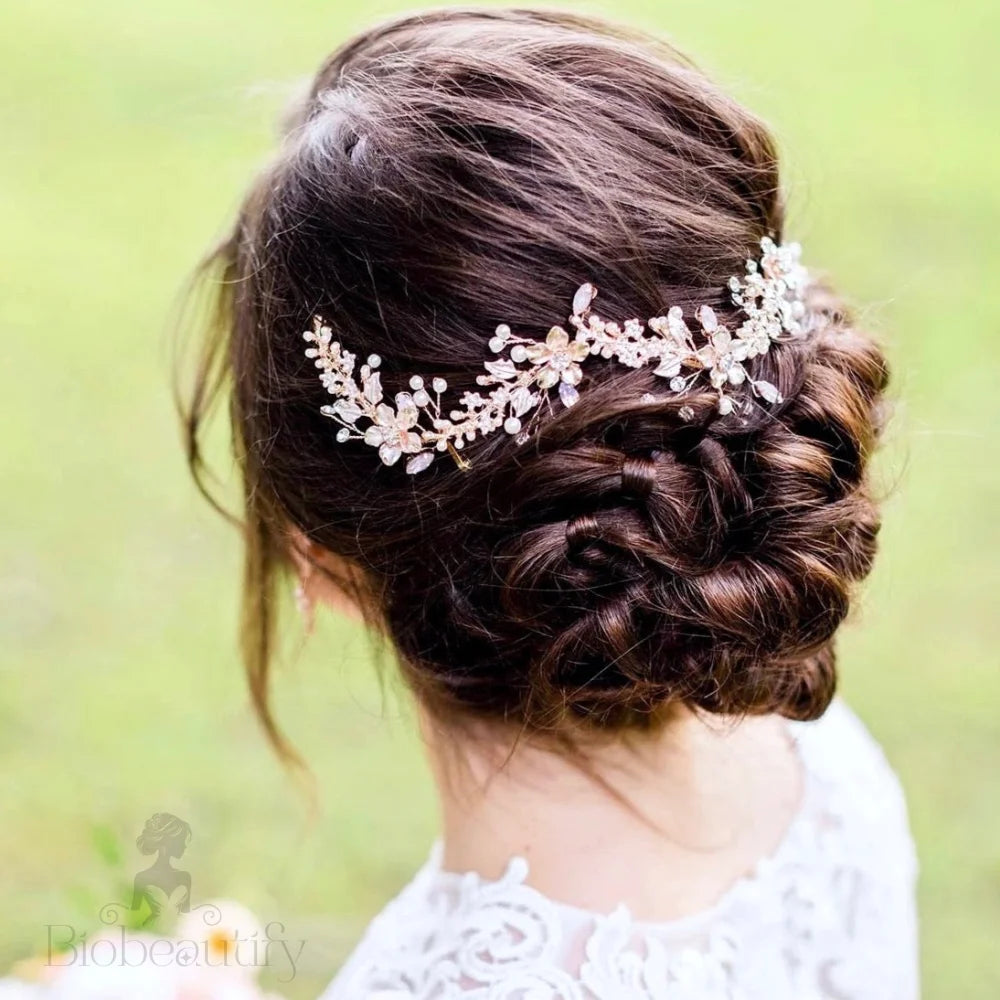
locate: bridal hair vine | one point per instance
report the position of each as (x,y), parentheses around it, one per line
(770,297)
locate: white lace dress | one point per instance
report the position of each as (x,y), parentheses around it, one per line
(829,915)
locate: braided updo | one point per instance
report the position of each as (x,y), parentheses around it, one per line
(452,171)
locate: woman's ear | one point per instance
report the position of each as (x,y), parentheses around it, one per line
(324,578)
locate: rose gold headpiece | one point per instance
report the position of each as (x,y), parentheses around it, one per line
(416,424)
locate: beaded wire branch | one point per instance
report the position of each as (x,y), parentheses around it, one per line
(770,296)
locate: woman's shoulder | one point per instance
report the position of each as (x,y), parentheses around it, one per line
(855,795)
(844,759)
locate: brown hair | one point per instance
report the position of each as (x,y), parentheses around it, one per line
(457,169)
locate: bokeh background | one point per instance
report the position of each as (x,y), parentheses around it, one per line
(128,132)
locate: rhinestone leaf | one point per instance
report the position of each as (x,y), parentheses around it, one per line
(347,409)
(669,366)
(521,400)
(502,369)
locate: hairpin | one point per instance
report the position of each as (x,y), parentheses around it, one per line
(416,423)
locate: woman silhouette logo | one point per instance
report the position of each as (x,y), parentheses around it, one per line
(161,886)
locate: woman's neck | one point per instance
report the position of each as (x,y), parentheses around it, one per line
(662,822)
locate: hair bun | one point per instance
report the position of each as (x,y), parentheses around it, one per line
(712,567)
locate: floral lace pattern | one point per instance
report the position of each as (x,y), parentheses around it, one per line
(828,916)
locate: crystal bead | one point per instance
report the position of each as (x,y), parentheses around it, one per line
(390,454)
(686,413)
(707,318)
(374,360)
(343,434)
(439,384)
(568,393)
(419,462)
(416,382)
(582,299)
(767,391)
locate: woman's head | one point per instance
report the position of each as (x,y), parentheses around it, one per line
(165,833)
(455,170)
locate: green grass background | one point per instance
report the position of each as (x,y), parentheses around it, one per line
(128,131)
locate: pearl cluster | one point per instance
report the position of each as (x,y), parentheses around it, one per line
(770,296)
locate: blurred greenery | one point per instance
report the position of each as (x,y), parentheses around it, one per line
(129,130)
